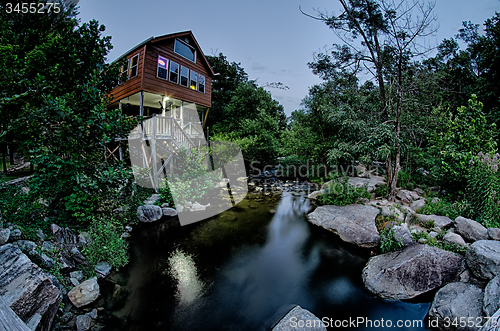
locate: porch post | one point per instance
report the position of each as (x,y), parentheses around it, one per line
(182,114)
(141,107)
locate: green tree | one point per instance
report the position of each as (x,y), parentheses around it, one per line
(389,34)
(55,81)
(462,137)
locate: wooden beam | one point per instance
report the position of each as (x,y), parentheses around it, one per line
(205,120)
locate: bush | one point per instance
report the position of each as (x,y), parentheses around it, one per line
(444,208)
(483,190)
(24,210)
(381,191)
(340,192)
(106,244)
(388,241)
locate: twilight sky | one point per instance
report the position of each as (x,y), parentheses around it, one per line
(272,39)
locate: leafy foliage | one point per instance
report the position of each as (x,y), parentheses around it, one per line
(388,241)
(461,138)
(106,244)
(483,190)
(444,208)
(340,192)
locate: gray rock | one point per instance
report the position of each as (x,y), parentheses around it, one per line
(491,301)
(49,247)
(74,281)
(63,235)
(435,200)
(78,275)
(26,289)
(41,259)
(433,234)
(84,239)
(83,322)
(470,230)
(165,205)
(314,195)
(494,233)
(408,273)
(170,212)
(85,293)
(454,238)
(102,269)
(128,228)
(483,258)
(439,221)
(25,246)
(493,323)
(149,213)
(405,196)
(457,301)
(379,203)
(4,236)
(152,199)
(417,204)
(392,211)
(371,183)
(299,316)
(402,233)
(353,223)
(16,234)
(40,234)
(419,191)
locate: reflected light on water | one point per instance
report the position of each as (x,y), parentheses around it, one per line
(183,269)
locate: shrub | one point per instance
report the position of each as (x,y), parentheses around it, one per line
(483,190)
(382,221)
(444,208)
(388,241)
(106,244)
(340,192)
(381,191)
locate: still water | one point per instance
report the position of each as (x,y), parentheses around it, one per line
(240,271)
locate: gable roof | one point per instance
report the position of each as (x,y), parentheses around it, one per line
(172,36)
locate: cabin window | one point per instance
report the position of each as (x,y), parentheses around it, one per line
(194,80)
(174,72)
(185,50)
(162,67)
(201,84)
(184,76)
(133,66)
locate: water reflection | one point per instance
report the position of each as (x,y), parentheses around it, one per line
(236,271)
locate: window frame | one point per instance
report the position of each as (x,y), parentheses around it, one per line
(204,83)
(167,62)
(191,80)
(170,72)
(187,45)
(130,66)
(187,77)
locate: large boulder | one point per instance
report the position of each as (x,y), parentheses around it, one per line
(456,301)
(371,183)
(491,302)
(85,293)
(353,223)
(439,221)
(493,323)
(408,273)
(494,233)
(149,213)
(69,254)
(470,230)
(26,289)
(483,258)
(299,318)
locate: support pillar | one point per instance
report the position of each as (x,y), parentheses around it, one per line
(141,107)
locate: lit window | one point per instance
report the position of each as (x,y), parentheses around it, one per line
(133,66)
(201,84)
(194,80)
(162,67)
(184,76)
(185,50)
(174,72)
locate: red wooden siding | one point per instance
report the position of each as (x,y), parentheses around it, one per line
(132,85)
(153,84)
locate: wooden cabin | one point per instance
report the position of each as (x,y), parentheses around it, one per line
(165,73)
(168,82)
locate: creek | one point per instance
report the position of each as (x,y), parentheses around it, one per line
(242,270)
